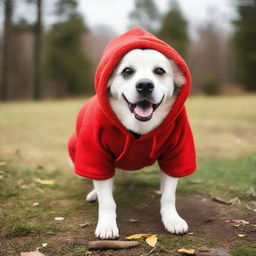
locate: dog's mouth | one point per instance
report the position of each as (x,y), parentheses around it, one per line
(143,110)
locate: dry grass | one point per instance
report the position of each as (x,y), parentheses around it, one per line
(36,133)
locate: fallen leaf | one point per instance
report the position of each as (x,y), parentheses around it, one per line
(191,233)
(44,244)
(2,163)
(250,208)
(133,220)
(33,253)
(236,200)
(48,182)
(44,182)
(251,192)
(203,249)
(2,175)
(187,251)
(25,186)
(241,235)
(35,204)
(136,236)
(84,224)
(243,222)
(151,240)
(59,218)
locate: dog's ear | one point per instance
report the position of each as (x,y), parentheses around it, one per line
(178,76)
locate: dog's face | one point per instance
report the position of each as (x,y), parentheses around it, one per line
(141,89)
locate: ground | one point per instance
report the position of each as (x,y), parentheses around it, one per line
(33,154)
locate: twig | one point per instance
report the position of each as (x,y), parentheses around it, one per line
(222,201)
(109,244)
(152,250)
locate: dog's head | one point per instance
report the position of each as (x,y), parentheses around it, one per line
(142,89)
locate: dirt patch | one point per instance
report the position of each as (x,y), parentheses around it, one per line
(66,203)
(203,217)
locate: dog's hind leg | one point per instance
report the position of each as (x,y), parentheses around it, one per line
(91,196)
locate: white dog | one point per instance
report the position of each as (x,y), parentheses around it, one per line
(141,91)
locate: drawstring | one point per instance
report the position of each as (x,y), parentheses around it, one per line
(153,149)
(127,144)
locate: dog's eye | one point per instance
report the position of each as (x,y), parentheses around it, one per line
(159,71)
(128,71)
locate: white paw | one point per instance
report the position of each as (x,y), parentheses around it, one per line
(70,163)
(107,228)
(91,196)
(174,223)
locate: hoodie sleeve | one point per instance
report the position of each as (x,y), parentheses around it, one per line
(179,158)
(89,156)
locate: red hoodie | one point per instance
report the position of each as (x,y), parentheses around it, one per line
(101,143)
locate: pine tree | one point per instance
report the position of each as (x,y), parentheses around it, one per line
(174,29)
(66,63)
(145,15)
(245,42)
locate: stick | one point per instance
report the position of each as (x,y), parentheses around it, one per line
(109,244)
(222,201)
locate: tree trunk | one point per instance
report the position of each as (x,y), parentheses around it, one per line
(6,49)
(37,52)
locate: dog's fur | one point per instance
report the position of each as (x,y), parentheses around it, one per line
(166,88)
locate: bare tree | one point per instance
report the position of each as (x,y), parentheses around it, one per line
(8,10)
(37,51)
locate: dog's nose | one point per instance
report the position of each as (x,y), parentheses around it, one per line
(145,86)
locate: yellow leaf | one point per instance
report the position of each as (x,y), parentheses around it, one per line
(136,236)
(187,251)
(47,182)
(59,218)
(241,235)
(2,163)
(151,240)
(33,253)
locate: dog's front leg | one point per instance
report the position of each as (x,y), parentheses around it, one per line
(106,227)
(170,218)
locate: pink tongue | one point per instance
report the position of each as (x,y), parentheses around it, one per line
(143,112)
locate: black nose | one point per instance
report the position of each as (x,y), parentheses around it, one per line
(145,87)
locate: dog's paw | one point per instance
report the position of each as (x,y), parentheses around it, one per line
(174,223)
(91,196)
(107,228)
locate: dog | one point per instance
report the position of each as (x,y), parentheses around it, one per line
(145,78)
(141,94)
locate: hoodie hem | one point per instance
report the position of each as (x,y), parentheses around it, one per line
(93,176)
(181,174)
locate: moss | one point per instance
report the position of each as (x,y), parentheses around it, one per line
(243,251)
(78,250)
(22,229)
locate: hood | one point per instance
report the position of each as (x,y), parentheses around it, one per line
(115,50)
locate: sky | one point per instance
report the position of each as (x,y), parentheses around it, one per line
(114,13)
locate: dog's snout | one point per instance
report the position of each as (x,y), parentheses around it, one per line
(145,86)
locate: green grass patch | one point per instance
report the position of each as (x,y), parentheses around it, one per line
(242,251)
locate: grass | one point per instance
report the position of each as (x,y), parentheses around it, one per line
(33,139)
(244,251)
